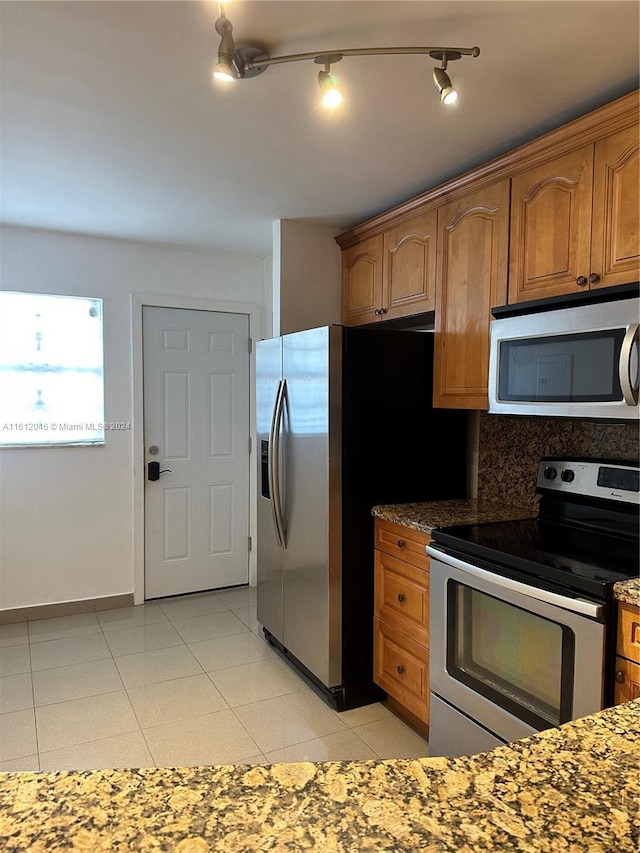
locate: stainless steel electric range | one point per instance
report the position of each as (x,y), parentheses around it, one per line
(522,614)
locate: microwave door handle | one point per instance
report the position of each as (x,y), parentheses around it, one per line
(272,471)
(575,605)
(629,390)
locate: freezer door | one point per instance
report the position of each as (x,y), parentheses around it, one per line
(269,551)
(311,500)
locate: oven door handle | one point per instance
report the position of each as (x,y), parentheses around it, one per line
(575,605)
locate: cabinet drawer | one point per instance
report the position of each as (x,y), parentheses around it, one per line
(628,642)
(402,542)
(402,596)
(401,667)
(629,689)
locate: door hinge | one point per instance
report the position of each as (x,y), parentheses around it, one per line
(250,345)
(250,543)
(250,446)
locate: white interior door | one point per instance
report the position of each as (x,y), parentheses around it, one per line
(196,426)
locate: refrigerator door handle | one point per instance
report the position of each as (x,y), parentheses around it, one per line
(272,469)
(276,494)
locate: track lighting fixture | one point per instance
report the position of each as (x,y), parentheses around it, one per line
(239,62)
(331,95)
(224,69)
(448,95)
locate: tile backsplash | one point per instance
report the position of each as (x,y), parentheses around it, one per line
(510,449)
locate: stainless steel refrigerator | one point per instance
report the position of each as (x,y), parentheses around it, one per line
(344,421)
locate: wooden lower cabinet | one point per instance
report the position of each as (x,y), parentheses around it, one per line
(627,674)
(627,681)
(401,667)
(401,625)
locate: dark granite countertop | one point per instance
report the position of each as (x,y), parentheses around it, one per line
(573,789)
(428,515)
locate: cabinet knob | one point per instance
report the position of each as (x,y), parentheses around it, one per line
(581,281)
(383,310)
(401,543)
(400,669)
(400,597)
(620,676)
(594,278)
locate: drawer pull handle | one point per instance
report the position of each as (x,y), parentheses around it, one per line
(400,669)
(400,597)
(620,676)
(401,543)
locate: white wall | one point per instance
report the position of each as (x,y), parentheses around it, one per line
(306,276)
(66,514)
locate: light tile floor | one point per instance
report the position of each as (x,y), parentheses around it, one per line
(177,682)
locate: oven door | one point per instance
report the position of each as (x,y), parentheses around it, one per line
(512,657)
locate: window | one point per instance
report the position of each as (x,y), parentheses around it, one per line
(51,370)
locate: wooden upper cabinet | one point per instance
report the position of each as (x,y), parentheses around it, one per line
(575,220)
(550,241)
(615,250)
(409,268)
(391,274)
(471,278)
(362,282)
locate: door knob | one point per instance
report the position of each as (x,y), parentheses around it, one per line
(400,669)
(594,278)
(581,281)
(400,597)
(620,676)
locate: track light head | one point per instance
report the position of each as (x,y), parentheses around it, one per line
(331,95)
(448,94)
(224,69)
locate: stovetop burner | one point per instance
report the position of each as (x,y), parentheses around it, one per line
(586,538)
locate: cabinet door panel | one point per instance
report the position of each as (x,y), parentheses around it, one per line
(628,687)
(402,542)
(401,667)
(402,596)
(628,638)
(615,255)
(550,240)
(362,282)
(471,278)
(410,267)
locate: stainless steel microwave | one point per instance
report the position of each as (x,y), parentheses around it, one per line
(575,362)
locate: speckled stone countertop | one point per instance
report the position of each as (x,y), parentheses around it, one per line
(431,514)
(628,591)
(572,789)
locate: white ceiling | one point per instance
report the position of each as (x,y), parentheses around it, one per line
(112,125)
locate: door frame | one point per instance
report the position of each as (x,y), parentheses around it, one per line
(138,301)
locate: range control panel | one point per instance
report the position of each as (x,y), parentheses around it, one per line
(591,478)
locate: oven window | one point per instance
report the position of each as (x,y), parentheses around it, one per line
(577,368)
(517,659)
